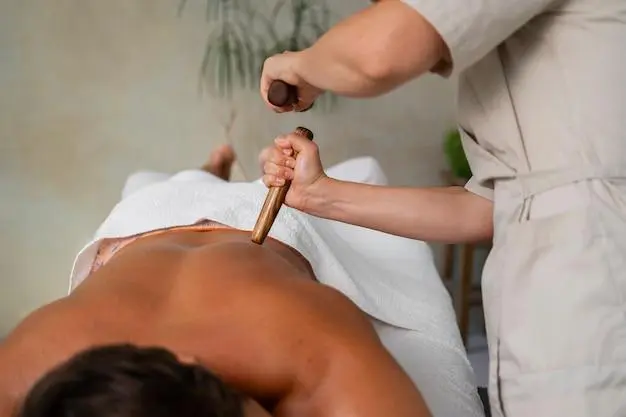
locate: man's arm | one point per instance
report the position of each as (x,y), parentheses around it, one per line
(441,214)
(393,41)
(372,52)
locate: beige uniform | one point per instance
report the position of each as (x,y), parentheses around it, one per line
(542,112)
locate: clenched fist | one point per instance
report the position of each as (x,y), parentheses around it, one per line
(296,159)
(284,67)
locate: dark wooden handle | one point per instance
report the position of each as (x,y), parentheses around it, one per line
(282,94)
(273,202)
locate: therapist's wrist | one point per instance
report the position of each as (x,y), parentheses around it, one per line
(318,197)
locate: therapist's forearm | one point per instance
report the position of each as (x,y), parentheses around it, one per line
(443,214)
(372,52)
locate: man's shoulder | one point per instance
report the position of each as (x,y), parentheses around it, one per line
(46,333)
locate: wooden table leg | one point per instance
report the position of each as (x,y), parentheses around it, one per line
(465,290)
(448,262)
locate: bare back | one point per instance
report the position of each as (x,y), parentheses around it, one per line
(252,314)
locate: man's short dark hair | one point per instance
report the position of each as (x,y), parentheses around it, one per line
(128,381)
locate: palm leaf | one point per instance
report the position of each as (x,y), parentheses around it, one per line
(277,8)
(240,55)
(181,6)
(243,37)
(232,59)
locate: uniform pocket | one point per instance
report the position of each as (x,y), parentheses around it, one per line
(560,307)
(554,229)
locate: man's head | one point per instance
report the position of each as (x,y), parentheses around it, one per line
(127,381)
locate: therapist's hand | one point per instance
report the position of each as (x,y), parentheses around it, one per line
(284,67)
(296,159)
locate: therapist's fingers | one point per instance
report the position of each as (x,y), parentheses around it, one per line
(279,67)
(291,153)
(282,141)
(296,143)
(306,159)
(276,155)
(281,159)
(281,155)
(273,181)
(278,171)
(284,67)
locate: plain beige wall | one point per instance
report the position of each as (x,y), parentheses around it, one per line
(92,90)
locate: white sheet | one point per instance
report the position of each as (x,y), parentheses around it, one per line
(392,279)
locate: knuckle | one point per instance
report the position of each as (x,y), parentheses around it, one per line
(278,171)
(278,159)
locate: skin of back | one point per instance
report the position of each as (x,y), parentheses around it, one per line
(252,314)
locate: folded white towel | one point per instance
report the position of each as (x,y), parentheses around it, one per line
(392,279)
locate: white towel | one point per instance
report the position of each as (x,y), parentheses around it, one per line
(390,278)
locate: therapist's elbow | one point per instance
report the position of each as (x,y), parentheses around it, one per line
(476,218)
(483,231)
(377,71)
(400,46)
(372,76)
(385,74)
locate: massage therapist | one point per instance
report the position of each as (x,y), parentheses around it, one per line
(542,113)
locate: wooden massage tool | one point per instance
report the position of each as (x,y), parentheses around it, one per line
(280,94)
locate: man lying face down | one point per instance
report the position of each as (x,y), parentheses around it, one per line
(169,316)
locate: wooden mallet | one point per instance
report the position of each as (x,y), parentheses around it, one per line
(280,94)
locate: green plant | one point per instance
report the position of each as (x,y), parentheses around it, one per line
(242,36)
(453,149)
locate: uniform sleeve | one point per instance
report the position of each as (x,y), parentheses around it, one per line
(472,28)
(473,186)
